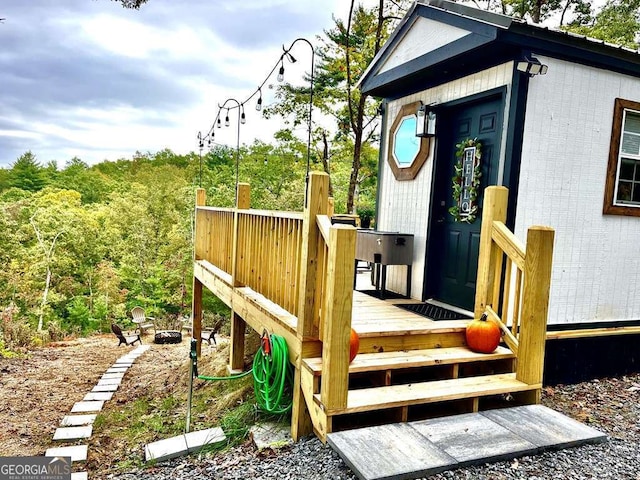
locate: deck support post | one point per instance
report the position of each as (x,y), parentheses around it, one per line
(535,306)
(338,304)
(494,209)
(317,204)
(196,302)
(238,325)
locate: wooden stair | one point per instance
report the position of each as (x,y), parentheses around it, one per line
(412,359)
(404,384)
(379,398)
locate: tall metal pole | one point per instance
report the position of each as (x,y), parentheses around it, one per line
(240,108)
(309,123)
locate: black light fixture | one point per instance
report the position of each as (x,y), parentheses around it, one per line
(259,102)
(425,122)
(219,123)
(226,119)
(532,66)
(280,76)
(243,118)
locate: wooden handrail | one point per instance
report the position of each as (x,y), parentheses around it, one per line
(324,225)
(508,243)
(517,303)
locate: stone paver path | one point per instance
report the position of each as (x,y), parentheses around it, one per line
(77,427)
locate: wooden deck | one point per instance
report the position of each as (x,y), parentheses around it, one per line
(291,274)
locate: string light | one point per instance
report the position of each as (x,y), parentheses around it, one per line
(259,102)
(258,92)
(280,76)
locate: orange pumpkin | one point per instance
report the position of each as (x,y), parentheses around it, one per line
(483,336)
(354,345)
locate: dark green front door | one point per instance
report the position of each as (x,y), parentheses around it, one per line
(452,261)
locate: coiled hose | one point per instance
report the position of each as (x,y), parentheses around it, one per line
(272,375)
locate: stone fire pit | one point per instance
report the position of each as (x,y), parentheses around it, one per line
(168,336)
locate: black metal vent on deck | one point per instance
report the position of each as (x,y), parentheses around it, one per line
(434,312)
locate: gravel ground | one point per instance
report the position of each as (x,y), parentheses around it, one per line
(610,405)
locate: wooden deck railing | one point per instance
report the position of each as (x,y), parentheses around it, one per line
(513,284)
(298,262)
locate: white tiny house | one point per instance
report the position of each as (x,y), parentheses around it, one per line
(553,116)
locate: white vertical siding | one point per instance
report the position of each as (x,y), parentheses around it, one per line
(404,206)
(596,263)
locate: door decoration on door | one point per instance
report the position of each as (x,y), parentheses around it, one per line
(466,181)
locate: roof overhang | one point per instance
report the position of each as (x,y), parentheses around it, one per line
(440,40)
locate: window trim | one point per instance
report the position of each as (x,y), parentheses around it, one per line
(609,206)
(410,172)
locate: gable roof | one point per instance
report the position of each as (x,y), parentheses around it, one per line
(438,39)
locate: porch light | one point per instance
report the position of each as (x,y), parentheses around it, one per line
(425,122)
(532,67)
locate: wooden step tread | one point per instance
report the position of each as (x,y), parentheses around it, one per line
(379,398)
(369,362)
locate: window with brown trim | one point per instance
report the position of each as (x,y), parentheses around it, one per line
(406,160)
(622,189)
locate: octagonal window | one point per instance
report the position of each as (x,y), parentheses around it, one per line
(405,143)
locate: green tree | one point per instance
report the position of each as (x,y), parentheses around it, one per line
(618,22)
(26,173)
(345,52)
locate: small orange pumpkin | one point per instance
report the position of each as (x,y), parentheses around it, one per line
(483,336)
(354,345)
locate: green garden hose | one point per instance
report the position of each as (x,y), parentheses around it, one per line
(272,375)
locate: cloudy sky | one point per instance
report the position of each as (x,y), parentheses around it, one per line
(91,79)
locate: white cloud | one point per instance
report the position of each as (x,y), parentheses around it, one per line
(93,80)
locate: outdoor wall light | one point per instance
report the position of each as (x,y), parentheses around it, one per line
(532,67)
(425,122)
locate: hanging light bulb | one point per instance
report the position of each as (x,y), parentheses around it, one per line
(280,76)
(243,119)
(226,119)
(219,123)
(259,103)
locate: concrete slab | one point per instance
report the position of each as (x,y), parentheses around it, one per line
(198,439)
(90,406)
(123,363)
(77,420)
(98,396)
(473,438)
(545,427)
(165,449)
(389,452)
(79,476)
(78,453)
(116,370)
(72,433)
(110,381)
(105,388)
(271,435)
(183,444)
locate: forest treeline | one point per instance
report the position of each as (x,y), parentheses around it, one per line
(81,245)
